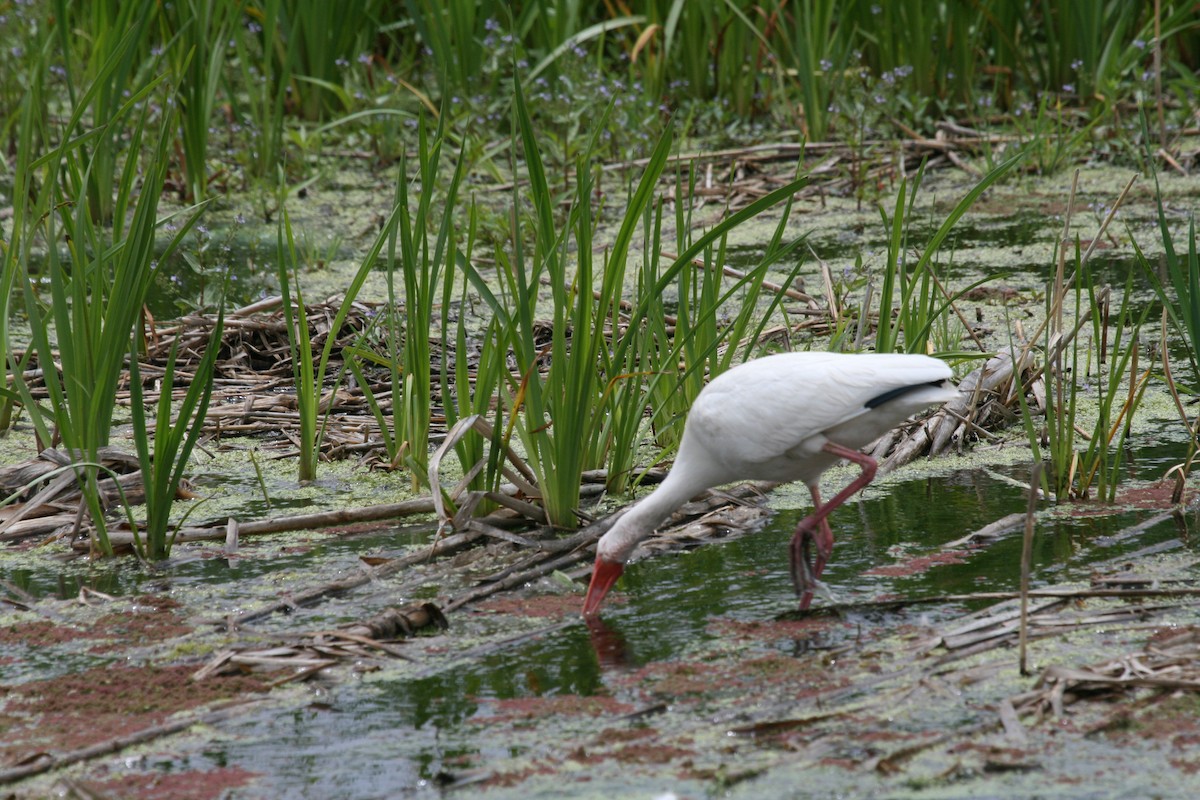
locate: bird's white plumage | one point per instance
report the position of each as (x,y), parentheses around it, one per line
(768,419)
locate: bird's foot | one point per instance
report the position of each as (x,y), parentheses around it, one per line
(828,595)
(806,570)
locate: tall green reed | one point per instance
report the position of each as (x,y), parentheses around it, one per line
(910,298)
(300,347)
(936,44)
(1082,42)
(452,30)
(117,65)
(424,249)
(1179,289)
(197,32)
(1100,462)
(555,403)
(163,463)
(97,286)
(1068,371)
(327,37)
(265,79)
(309,369)
(817,49)
(422,266)
(579,399)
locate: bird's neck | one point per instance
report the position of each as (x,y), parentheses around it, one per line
(648,513)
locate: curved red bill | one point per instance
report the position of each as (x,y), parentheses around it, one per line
(604,575)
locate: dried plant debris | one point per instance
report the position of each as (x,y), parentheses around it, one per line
(361,643)
(1170,662)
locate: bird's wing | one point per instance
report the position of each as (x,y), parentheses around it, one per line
(779,404)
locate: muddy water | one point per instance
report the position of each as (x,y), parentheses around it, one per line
(408,730)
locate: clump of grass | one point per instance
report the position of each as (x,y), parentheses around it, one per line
(556,405)
(911,299)
(580,398)
(309,374)
(198,31)
(1101,460)
(265,80)
(116,69)
(1049,136)
(163,465)
(97,278)
(1066,479)
(424,263)
(1073,471)
(1182,268)
(820,55)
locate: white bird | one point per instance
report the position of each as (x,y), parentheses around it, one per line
(785,417)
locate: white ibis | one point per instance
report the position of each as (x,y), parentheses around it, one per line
(785,417)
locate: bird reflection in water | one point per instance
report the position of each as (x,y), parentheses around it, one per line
(609,645)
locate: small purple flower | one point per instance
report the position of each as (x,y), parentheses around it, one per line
(1068,88)
(364,58)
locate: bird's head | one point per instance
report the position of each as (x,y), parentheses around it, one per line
(614,549)
(604,575)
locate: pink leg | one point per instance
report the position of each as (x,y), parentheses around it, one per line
(816,525)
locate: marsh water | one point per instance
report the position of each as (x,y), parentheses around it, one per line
(524,699)
(415,729)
